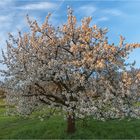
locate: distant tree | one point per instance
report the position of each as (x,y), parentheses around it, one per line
(72,67)
(2,91)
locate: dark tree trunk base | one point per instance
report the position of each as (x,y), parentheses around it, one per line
(70,124)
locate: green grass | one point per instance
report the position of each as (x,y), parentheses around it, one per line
(55,128)
(33,128)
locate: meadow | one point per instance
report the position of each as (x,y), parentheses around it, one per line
(12,127)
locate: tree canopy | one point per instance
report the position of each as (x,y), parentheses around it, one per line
(72,67)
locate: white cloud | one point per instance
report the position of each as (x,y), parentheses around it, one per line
(6,21)
(102,19)
(38,6)
(87,10)
(114,12)
(3,18)
(6,5)
(5,2)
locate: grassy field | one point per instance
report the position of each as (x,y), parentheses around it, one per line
(53,128)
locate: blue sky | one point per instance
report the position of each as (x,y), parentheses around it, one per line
(121,17)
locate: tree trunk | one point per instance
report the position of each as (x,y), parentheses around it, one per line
(71,124)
